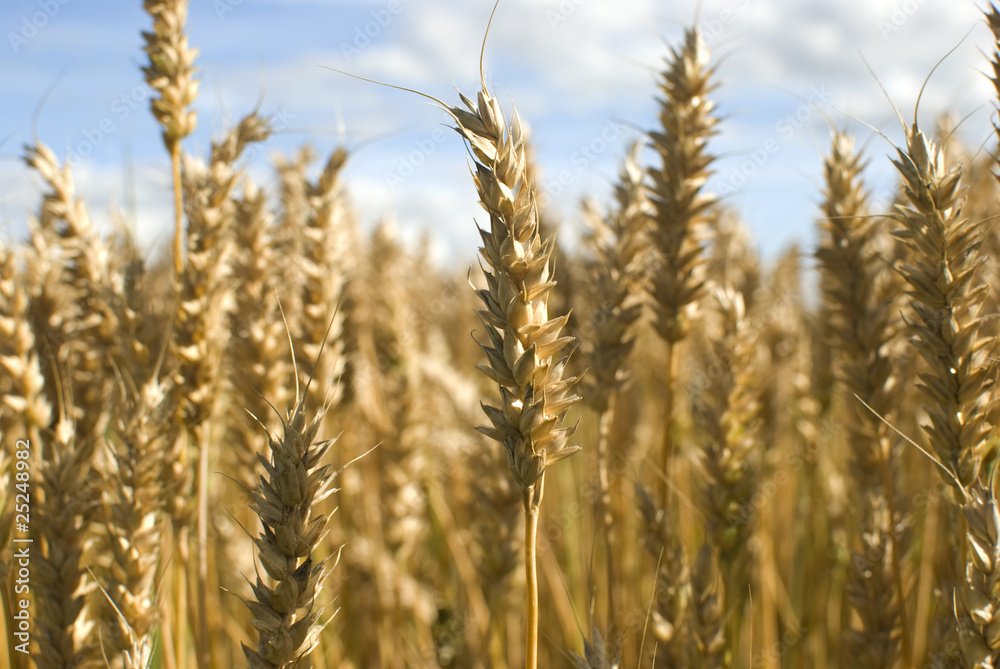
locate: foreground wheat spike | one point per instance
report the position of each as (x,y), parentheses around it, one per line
(527,356)
(171,74)
(285,500)
(947,294)
(859,319)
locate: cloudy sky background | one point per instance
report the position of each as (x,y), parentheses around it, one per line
(581,73)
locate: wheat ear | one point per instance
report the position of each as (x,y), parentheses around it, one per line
(60,586)
(255,357)
(285,500)
(26,407)
(858,317)
(171,74)
(679,207)
(325,260)
(727,413)
(619,272)
(527,356)
(947,294)
(87,339)
(200,335)
(676,282)
(132,514)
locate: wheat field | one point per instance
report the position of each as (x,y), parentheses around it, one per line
(278,446)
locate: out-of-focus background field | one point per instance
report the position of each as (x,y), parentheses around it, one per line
(262,451)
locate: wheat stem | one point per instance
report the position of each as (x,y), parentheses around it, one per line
(175,164)
(668,446)
(604,501)
(532,500)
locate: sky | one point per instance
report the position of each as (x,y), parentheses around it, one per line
(581,73)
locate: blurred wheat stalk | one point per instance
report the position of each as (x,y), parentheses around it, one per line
(780,522)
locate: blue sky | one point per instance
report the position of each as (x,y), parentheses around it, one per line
(581,73)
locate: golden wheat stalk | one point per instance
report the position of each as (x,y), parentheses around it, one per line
(526,354)
(325,244)
(200,335)
(618,275)
(133,518)
(171,74)
(26,407)
(947,294)
(859,320)
(285,499)
(679,208)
